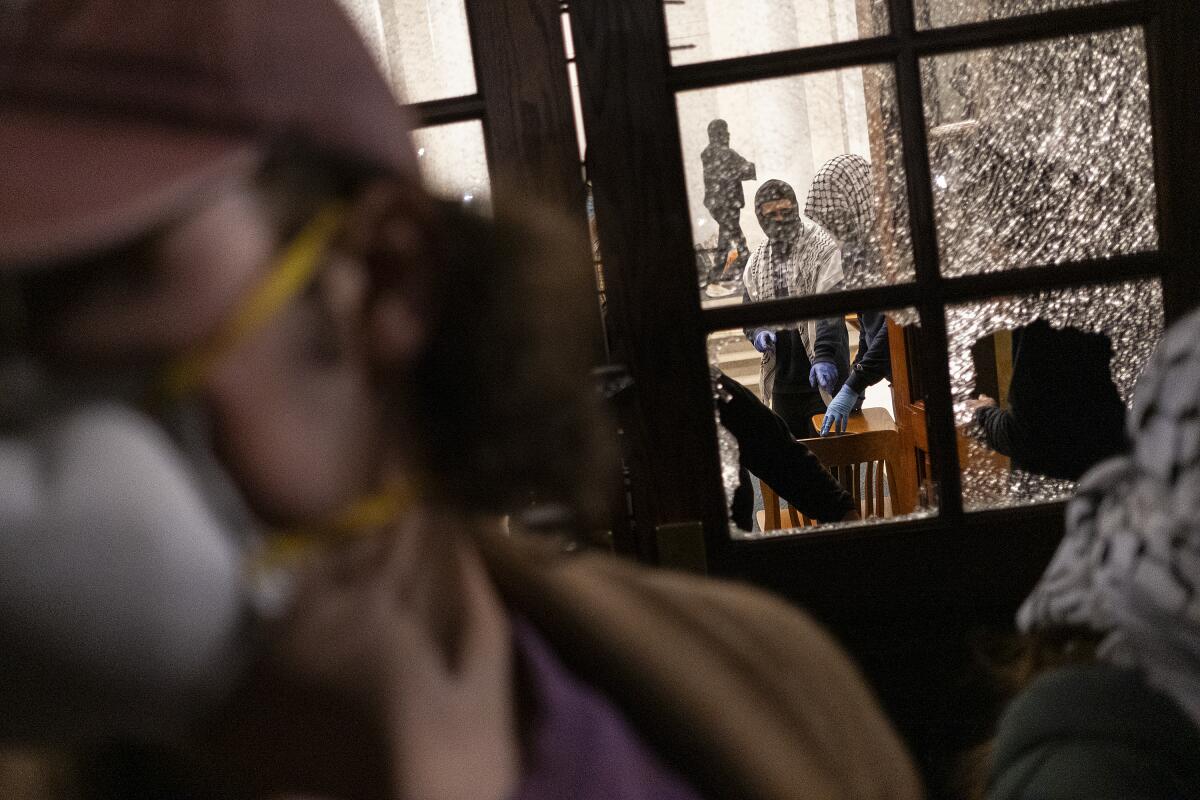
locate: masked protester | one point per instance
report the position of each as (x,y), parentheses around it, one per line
(724,171)
(798,363)
(264,404)
(840,201)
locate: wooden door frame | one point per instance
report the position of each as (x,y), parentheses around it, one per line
(628,87)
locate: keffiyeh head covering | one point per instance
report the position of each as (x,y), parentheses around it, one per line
(840,201)
(788,267)
(1129,565)
(840,198)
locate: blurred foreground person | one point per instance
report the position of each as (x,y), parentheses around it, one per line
(1114,625)
(264,402)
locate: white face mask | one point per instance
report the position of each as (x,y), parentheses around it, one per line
(122,602)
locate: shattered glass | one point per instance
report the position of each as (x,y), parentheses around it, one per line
(707,30)
(1129,314)
(422,46)
(1041,152)
(834,139)
(942,13)
(453,163)
(726,442)
(732,355)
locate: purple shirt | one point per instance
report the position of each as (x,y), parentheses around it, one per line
(581,747)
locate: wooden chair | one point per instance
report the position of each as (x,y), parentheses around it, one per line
(864,460)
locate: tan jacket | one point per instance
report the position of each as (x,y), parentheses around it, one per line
(742,693)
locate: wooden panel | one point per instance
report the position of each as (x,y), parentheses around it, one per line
(522,75)
(1004,365)
(1175,100)
(529,124)
(654,320)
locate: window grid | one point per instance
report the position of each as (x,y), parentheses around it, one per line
(931,292)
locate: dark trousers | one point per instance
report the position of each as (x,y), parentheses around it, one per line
(797,410)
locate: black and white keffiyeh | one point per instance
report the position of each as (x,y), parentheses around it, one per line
(795,269)
(840,201)
(840,197)
(1129,565)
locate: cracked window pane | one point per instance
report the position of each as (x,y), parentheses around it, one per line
(708,30)
(796,185)
(1041,383)
(422,46)
(453,163)
(1041,152)
(942,13)
(802,369)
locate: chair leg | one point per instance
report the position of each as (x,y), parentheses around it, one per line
(869,490)
(770,506)
(880,472)
(794,519)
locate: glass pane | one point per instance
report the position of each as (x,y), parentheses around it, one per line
(1041,152)
(772,450)
(422,45)
(1041,383)
(941,13)
(758,155)
(709,30)
(453,162)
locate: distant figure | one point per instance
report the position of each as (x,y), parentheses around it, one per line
(724,171)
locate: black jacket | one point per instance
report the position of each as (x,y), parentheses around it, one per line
(873,361)
(792,363)
(768,450)
(1094,732)
(1064,412)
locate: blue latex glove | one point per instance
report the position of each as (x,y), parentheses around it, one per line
(824,375)
(764,341)
(839,410)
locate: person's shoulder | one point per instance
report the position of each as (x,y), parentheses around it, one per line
(818,237)
(1094,730)
(731,669)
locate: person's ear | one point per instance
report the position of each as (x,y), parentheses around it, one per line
(392,231)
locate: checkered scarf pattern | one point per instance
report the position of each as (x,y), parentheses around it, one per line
(840,200)
(842,189)
(796,265)
(1129,565)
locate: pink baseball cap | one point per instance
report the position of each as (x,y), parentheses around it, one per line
(116,113)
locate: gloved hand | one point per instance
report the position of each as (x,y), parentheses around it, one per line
(824,375)
(764,340)
(839,410)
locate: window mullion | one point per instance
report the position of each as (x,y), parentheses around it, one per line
(935,361)
(938,41)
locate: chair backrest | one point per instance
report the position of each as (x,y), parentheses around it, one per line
(862,462)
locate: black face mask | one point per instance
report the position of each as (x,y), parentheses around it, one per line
(783,229)
(778,227)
